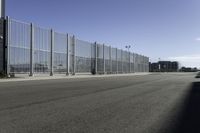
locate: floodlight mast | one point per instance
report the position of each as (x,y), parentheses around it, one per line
(2,10)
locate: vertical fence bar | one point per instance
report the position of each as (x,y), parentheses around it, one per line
(110,49)
(104,65)
(8,46)
(96,57)
(148,65)
(116,61)
(122,60)
(52,52)
(74,57)
(129,62)
(67,59)
(134,62)
(31,50)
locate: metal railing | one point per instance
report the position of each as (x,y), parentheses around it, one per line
(32,49)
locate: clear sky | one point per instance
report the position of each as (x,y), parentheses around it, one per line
(165,29)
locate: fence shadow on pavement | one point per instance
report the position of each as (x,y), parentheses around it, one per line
(188,119)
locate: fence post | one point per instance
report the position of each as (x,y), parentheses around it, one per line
(52,53)
(148,66)
(96,49)
(133,63)
(67,58)
(110,59)
(104,67)
(31,50)
(122,60)
(129,62)
(7,52)
(74,57)
(117,60)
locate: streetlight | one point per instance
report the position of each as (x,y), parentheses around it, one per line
(128,47)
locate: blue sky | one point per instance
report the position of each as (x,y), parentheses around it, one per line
(165,29)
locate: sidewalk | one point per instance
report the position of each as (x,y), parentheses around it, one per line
(47,77)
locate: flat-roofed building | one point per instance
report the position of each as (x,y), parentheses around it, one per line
(164,66)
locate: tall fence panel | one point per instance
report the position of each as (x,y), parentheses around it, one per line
(100,58)
(126,62)
(114,60)
(132,63)
(83,56)
(136,63)
(19,47)
(107,59)
(60,53)
(42,48)
(119,61)
(32,49)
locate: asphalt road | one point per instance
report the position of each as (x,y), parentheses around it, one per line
(156,103)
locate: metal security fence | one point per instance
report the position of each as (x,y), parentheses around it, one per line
(41,49)
(18,47)
(83,56)
(35,50)
(60,53)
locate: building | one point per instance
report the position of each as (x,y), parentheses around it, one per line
(164,66)
(188,69)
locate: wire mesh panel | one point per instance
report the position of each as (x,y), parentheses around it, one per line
(126,62)
(19,54)
(132,62)
(107,59)
(146,61)
(83,56)
(42,39)
(136,62)
(143,64)
(140,63)
(100,60)
(60,53)
(145,70)
(119,59)
(147,64)
(114,60)
(139,68)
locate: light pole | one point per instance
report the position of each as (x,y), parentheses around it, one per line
(128,47)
